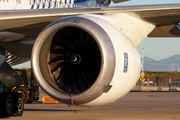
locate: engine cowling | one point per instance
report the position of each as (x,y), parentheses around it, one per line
(87,57)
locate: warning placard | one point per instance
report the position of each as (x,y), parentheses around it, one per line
(142,79)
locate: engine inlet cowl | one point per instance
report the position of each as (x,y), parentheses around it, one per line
(74,56)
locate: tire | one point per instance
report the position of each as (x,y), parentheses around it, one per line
(6,105)
(18,104)
(22,90)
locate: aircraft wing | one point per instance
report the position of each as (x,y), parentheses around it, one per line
(157,14)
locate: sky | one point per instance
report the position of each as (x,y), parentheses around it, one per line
(157,48)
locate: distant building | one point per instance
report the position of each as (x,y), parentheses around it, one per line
(177,68)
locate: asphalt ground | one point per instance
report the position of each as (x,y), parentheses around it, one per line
(133,106)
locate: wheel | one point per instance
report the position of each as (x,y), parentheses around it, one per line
(18,104)
(6,105)
(22,90)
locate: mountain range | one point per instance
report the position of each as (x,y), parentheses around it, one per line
(169,64)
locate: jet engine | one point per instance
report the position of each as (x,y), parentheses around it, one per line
(86,57)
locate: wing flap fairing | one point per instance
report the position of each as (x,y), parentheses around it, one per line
(166,31)
(118,1)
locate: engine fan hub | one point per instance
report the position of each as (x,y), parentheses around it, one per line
(76,59)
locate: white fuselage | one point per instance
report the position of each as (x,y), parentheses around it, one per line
(36,4)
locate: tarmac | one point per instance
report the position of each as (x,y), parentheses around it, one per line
(133,106)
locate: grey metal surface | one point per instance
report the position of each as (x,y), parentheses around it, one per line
(40,63)
(18,48)
(165,31)
(14,60)
(2,55)
(9,77)
(118,1)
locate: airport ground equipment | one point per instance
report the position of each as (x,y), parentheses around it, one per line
(10,103)
(48,100)
(174,83)
(13,97)
(29,89)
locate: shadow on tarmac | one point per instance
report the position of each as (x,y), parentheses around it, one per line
(4,117)
(48,110)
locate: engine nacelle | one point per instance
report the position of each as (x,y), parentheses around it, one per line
(87,57)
